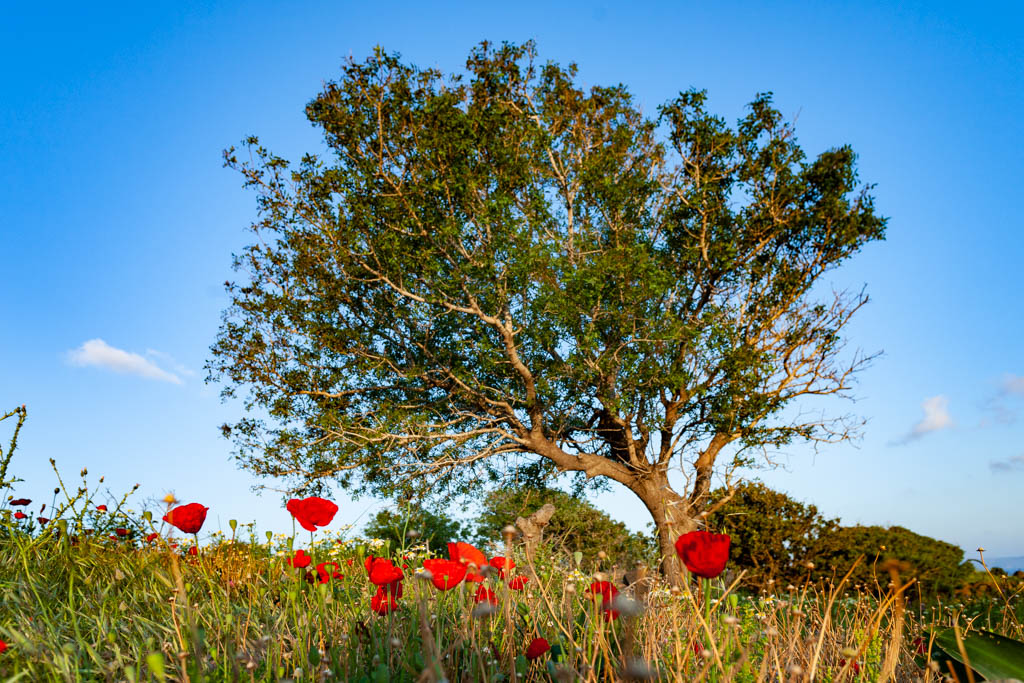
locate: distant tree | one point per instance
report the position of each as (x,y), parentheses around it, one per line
(577,525)
(773,535)
(938,566)
(435,528)
(508,271)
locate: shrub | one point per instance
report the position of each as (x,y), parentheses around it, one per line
(577,525)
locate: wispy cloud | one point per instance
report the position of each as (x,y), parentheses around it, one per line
(1002,408)
(169,361)
(1013,384)
(98,353)
(1010,464)
(936,417)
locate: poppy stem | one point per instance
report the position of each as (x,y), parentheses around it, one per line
(706,585)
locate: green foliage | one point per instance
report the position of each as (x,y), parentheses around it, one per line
(434,528)
(991,656)
(773,535)
(938,566)
(577,525)
(502,270)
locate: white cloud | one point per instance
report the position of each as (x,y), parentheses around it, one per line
(936,417)
(100,354)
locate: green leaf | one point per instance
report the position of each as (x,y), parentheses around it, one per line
(991,655)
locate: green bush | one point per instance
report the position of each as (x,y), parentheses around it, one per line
(774,538)
(436,529)
(577,525)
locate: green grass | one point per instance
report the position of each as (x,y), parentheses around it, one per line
(124,610)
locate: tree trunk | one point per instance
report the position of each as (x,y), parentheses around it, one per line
(670,512)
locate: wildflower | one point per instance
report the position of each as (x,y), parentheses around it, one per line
(383,603)
(101,508)
(703,553)
(607,591)
(447,574)
(485,594)
(312,512)
(152,537)
(189,518)
(3,647)
(466,554)
(20,515)
(325,575)
(170,499)
(122,532)
(499,564)
(518,583)
(21,501)
(43,520)
(536,648)
(381,570)
(193,551)
(854,666)
(301,560)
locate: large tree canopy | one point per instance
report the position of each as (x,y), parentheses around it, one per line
(505,270)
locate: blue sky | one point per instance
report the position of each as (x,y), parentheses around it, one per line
(118,221)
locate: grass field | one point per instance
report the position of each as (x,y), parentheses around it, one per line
(118,608)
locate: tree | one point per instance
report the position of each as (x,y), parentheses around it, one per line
(577,525)
(938,566)
(506,272)
(773,535)
(435,528)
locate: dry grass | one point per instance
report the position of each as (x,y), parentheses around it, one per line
(113,611)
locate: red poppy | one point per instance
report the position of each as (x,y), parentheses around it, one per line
(382,570)
(499,564)
(152,537)
(312,512)
(485,594)
(466,554)
(3,647)
(854,666)
(325,574)
(703,553)
(518,583)
(43,520)
(536,648)
(605,589)
(21,501)
(349,562)
(121,532)
(189,518)
(919,646)
(383,603)
(101,508)
(193,551)
(20,515)
(301,559)
(445,574)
